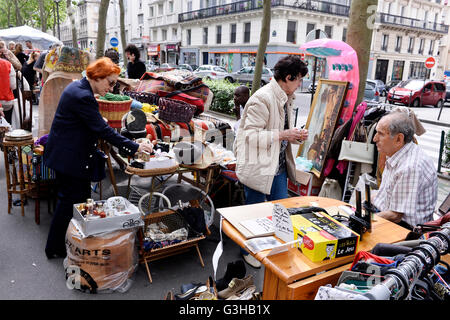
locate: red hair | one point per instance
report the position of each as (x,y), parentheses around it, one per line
(102,68)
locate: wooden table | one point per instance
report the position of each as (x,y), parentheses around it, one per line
(290,275)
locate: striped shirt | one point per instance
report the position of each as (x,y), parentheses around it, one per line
(409,185)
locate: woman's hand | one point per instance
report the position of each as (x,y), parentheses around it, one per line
(294,135)
(147,147)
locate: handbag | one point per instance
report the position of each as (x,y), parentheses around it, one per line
(355,151)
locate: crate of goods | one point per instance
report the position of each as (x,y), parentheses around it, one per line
(323,238)
(305,184)
(116,213)
(113,107)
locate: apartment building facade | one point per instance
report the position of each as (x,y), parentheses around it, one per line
(406,33)
(86,19)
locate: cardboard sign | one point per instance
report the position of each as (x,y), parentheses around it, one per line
(282,223)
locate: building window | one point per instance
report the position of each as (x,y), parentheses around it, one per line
(384,42)
(233,33)
(329,31)
(397,70)
(140,18)
(247,26)
(205,35)
(218,34)
(164,34)
(411,45)
(170,6)
(398,44)
(344,35)
(421,46)
(188,37)
(152,11)
(174,33)
(160,9)
(291,32)
(310,27)
(430,52)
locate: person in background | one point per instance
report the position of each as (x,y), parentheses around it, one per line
(71,150)
(263,145)
(114,56)
(241,96)
(29,47)
(11,46)
(135,68)
(28,71)
(18,51)
(7,54)
(409,184)
(7,85)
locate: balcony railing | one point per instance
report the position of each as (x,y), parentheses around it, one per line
(412,23)
(249,5)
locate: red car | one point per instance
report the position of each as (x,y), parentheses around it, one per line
(416,93)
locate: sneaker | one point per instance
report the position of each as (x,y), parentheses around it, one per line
(246,294)
(234,270)
(236,285)
(252,261)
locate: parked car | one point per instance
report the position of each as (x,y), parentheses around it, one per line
(417,92)
(209,71)
(371,93)
(391,84)
(447,90)
(381,87)
(185,67)
(245,75)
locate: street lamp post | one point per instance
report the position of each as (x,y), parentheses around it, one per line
(57,14)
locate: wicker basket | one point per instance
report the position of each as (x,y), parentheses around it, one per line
(143,97)
(175,110)
(114,111)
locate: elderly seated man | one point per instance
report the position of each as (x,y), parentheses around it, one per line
(408,190)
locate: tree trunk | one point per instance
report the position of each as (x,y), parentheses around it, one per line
(359,37)
(18,16)
(42,16)
(71,13)
(122,28)
(101,30)
(263,40)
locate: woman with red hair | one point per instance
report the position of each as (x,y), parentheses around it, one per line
(71,149)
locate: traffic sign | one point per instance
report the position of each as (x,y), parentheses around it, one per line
(430,62)
(114,41)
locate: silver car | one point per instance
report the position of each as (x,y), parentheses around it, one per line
(213,72)
(245,75)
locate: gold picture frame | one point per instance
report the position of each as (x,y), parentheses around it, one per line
(323,115)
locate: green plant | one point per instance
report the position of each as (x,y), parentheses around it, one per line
(223,92)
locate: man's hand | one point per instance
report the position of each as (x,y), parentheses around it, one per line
(391,215)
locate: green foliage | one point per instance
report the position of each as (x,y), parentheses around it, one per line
(29,13)
(223,91)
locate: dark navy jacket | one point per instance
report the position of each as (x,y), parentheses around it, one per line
(76,128)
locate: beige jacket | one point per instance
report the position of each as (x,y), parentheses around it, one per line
(257,146)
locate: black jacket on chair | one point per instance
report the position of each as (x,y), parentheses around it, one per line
(71,147)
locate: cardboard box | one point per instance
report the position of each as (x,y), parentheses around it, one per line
(125,221)
(306,184)
(323,237)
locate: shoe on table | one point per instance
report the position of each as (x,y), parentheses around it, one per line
(236,285)
(251,261)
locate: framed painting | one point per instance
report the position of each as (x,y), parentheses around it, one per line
(323,115)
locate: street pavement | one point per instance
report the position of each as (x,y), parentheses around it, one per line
(26,273)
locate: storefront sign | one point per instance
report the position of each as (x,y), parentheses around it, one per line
(153,50)
(171,47)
